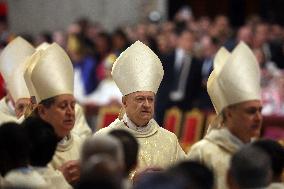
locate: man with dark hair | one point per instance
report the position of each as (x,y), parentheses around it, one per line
(14,147)
(55,104)
(40,134)
(196,175)
(43,145)
(181,84)
(249,168)
(209,46)
(276,153)
(14,159)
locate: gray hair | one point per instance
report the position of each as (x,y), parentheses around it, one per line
(102,144)
(250,168)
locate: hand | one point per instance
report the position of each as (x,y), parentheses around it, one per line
(71,171)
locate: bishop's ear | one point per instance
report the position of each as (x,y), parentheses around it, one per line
(41,110)
(124,98)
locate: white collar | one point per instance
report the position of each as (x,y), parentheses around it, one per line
(180,52)
(233,138)
(224,138)
(64,140)
(133,126)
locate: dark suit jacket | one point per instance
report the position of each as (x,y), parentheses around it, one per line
(192,88)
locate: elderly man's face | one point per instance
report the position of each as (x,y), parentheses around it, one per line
(245,119)
(20,106)
(139,107)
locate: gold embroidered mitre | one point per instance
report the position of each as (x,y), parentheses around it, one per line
(137,68)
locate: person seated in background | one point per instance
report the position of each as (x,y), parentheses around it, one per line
(196,175)
(85,65)
(14,159)
(276,154)
(55,104)
(138,73)
(249,168)
(234,89)
(12,58)
(43,142)
(107,92)
(130,151)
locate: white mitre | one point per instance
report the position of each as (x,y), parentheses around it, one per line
(29,66)
(235,78)
(13,55)
(50,73)
(16,83)
(42,46)
(137,68)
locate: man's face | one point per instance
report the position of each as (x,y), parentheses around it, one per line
(20,106)
(61,114)
(186,41)
(139,107)
(245,119)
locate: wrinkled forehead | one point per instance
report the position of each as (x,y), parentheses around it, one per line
(248,104)
(141,93)
(23,100)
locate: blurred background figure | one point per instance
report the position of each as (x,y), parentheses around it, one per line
(43,142)
(100,171)
(182,82)
(209,46)
(130,150)
(102,163)
(196,175)
(276,154)
(84,67)
(159,180)
(250,167)
(105,144)
(106,93)
(119,41)
(14,161)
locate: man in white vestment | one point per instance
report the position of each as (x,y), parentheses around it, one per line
(50,79)
(138,73)
(13,105)
(234,89)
